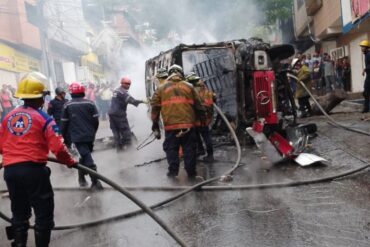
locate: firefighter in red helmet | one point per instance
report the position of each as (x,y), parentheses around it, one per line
(118,116)
(80,121)
(26,136)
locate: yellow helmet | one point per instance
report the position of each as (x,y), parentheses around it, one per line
(31,86)
(365,43)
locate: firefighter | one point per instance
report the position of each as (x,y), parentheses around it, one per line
(80,120)
(118,116)
(179,105)
(26,136)
(365,48)
(55,108)
(161,75)
(207,98)
(304,75)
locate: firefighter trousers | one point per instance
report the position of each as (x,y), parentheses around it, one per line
(171,146)
(205,134)
(29,187)
(120,129)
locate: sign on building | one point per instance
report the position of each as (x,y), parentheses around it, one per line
(15,61)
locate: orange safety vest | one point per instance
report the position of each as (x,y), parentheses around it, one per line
(27,134)
(177,102)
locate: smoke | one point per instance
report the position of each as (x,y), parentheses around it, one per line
(175,22)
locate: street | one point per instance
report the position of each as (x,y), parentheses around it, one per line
(324,214)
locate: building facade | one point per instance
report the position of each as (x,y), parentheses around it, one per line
(20,48)
(335,27)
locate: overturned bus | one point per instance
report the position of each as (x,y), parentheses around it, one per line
(240,72)
(252,90)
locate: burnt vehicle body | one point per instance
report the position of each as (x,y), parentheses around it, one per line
(228,69)
(252,90)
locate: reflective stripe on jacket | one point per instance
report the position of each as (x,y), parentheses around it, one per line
(27,134)
(177,102)
(80,120)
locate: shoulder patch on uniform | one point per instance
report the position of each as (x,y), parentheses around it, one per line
(56,129)
(19,123)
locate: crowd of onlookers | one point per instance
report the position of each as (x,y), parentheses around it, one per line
(7,101)
(101,94)
(326,74)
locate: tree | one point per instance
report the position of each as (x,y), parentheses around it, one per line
(276,10)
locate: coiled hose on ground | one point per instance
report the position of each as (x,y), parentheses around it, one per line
(202,186)
(143,207)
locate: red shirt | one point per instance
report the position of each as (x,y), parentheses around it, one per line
(27,134)
(5,100)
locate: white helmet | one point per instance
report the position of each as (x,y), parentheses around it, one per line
(294,62)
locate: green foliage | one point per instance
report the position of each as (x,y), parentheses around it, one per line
(276,10)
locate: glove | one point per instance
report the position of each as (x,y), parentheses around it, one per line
(157,134)
(155,126)
(72,165)
(203,119)
(146,101)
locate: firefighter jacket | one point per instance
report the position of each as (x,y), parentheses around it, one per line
(55,108)
(207,98)
(303,75)
(80,120)
(121,98)
(367,64)
(27,135)
(178,103)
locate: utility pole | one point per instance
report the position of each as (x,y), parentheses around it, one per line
(47,62)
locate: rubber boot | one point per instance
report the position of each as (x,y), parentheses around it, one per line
(42,238)
(95,183)
(81,179)
(209,158)
(20,238)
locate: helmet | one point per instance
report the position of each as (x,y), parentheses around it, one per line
(294,62)
(192,77)
(76,88)
(59,91)
(161,73)
(176,69)
(365,43)
(31,86)
(125,80)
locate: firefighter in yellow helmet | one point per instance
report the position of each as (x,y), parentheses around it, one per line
(207,98)
(180,106)
(26,136)
(365,48)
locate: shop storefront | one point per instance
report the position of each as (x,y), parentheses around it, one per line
(356,27)
(14,63)
(90,70)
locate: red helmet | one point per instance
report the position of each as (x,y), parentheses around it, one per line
(76,88)
(125,80)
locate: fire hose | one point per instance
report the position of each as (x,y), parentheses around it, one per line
(143,207)
(331,120)
(198,186)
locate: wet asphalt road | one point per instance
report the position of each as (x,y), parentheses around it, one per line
(325,214)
